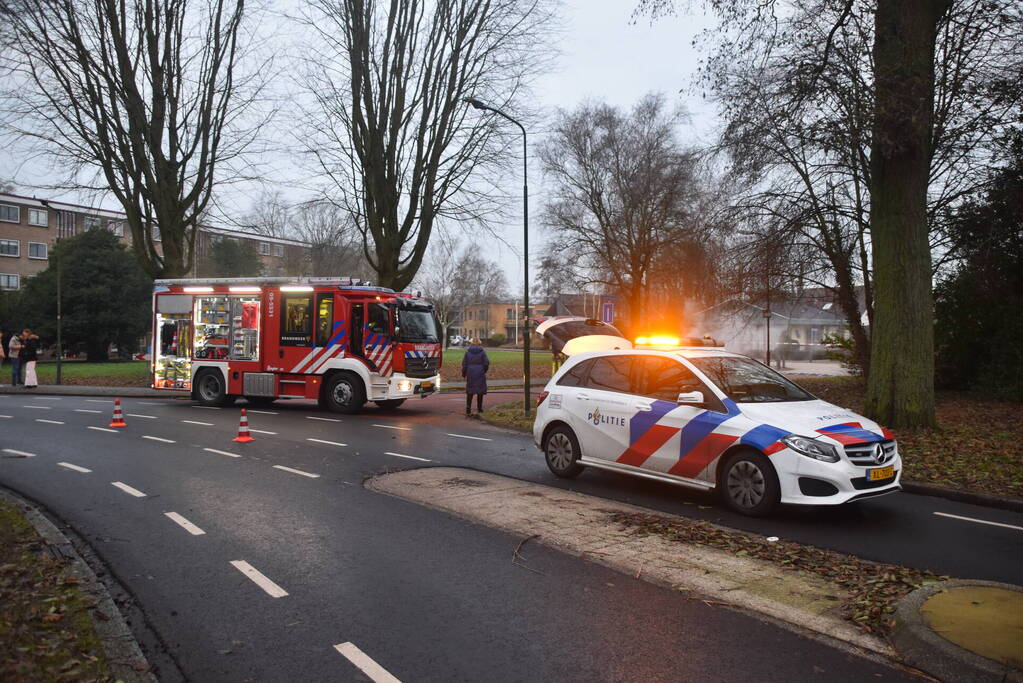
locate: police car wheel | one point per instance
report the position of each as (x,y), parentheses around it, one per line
(749,484)
(561,450)
(344,394)
(390,404)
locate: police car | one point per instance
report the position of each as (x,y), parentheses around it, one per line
(705,418)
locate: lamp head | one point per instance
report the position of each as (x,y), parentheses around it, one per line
(476,103)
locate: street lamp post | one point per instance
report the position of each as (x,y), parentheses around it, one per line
(526,407)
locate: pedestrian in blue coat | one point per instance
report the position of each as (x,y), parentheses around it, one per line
(474,369)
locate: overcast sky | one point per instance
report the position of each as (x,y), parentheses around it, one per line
(604,55)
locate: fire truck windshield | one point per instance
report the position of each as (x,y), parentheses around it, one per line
(416,325)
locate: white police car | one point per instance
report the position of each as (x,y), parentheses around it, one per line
(706,418)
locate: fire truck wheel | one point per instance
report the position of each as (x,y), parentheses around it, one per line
(344,393)
(210,389)
(391,404)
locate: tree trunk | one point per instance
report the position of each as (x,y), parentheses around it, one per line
(97,351)
(900,391)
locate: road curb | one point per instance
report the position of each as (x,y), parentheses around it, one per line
(124,656)
(983,499)
(920,646)
(89,390)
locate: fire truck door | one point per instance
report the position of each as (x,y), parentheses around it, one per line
(296,337)
(355,331)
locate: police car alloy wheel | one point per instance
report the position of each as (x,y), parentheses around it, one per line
(561,450)
(749,484)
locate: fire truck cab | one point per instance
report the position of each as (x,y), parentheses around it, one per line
(336,340)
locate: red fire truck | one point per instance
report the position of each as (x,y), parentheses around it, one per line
(336,340)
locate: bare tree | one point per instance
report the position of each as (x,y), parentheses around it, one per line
(147,94)
(335,243)
(391,130)
(623,189)
(270,216)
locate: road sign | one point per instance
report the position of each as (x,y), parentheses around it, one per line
(607,313)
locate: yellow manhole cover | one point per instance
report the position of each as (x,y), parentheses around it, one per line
(985,620)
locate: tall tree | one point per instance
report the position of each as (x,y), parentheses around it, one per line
(229,257)
(106,296)
(623,189)
(147,94)
(391,129)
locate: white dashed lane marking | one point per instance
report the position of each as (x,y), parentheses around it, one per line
(259,579)
(324,419)
(214,450)
(20,454)
(39,407)
(156,438)
(86,410)
(50,422)
(46,398)
(261,412)
(76,468)
(404,429)
(144,417)
(7,416)
(329,443)
(103,429)
(410,457)
(474,438)
(207,407)
(196,422)
(262,431)
(128,489)
(294,471)
(185,524)
(95,400)
(365,663)
(980,521)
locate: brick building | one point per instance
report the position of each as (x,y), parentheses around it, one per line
(30,226)
(486,320)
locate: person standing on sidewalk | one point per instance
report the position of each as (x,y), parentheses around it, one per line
(475,365)
(29,354)
(14,352)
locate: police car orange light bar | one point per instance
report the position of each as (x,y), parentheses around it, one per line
(657,341)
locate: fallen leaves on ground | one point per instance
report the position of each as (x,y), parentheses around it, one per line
(45,630)
(872,588)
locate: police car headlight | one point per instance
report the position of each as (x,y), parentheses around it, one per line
(811,448)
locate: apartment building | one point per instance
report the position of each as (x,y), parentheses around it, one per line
(30,226)
(486,320)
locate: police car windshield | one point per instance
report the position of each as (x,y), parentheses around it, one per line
(417,325)
(746,381)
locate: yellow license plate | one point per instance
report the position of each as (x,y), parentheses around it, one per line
(881,473)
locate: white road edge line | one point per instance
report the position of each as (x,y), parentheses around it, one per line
(327,419)
(259,579)
(980,521)
(76,468)
(196,422)
(262,431)
(463,436)
(156,438)
(294,471)
(410,457)
(404,429)
(128,489)
(22,454)
(146,417)
(329,443)
(365,663)
(103,429)
(50,422)
(86,410)
(261,412)
(214,450)
(184,524)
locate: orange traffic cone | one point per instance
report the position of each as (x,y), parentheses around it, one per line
(118,419)
(243,429)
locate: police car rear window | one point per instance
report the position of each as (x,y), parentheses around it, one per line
(611,373)
(576,375)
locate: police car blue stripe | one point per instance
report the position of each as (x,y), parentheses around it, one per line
(763,436)
(645,419)
(703,424)
(855,432)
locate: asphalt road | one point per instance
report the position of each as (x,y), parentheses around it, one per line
(376,581)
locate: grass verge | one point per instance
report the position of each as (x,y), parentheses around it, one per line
(509,415)
(127,373)
(46,632)
(873,589)
(503,364)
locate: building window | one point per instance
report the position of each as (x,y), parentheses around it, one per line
(9,281)
(37,250)
(11,214)
(156,234)
(38,217)
(92,223)
(10,248)
(264,248)
(278,250)
(509,314)
(116,227)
